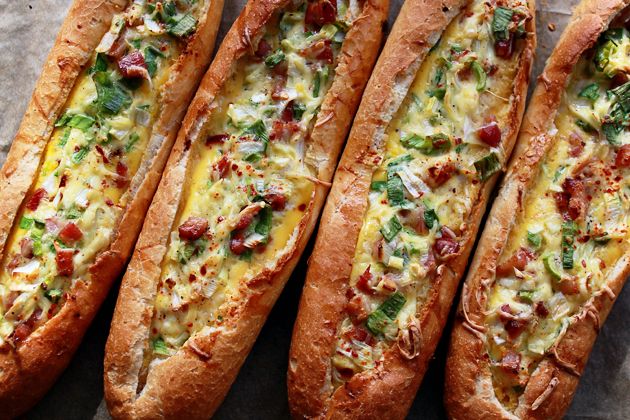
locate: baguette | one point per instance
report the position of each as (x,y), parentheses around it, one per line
(436,124)
(554,253)
(81,171)
(239,200)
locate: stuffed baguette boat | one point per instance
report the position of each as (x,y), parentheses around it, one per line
(436,125)
(240,198)
(554,254)
(82,169)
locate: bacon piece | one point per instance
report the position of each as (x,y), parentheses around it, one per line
(237,243)
(415,219)
(193,228)
(133,66)
(504,48)
(36,198)
(246,216)
(320,50)
(519,260)
(576,145)
(277,201)
(377,250)
(65,266)
(440,173)
(514,326)
(446,246)
(573,201)
(622,160)
(569,286)
(119,47)
(26,247)
(70,233)
(63,180)
(490,133)
(21,332)
(279,82)
(356,309)
(263,49)
(101,152)
(428,261)
(282,131)
(321,12)
(511,362)
(541,310)
(363,283)
(121,171)
(217,139)
(53,225)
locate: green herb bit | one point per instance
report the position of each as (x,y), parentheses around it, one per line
(590,92)
(395,192)
(151,55)
(274,59)
(317,84)
(73,213)
(586,127)
(53,294)
(63,120)
(430,218)
(378,186)
(569,229)
(26,223)
(487,166)
(133,139)
(480,74)
(159,347)
(534,239)
(526,296)
(263,227)
(111,96)
(80,154)
(81,121)
(438,93)
(501,22)
(391,229)
(100,64)
(387,311)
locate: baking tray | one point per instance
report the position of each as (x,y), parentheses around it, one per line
(27,32)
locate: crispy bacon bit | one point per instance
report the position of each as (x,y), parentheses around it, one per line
(63,259)
(576,145)
(63,180)
(321,12)
(193,228)
(222,166)
(119,47)
(37,196)
(70,233)
(622,160)
(282,131)
(363,283)
(26,247)
(428,261)
(237,243)
(133,66)
(21,332)
(321,50)
(511,362)
(356,309)
(277,201)
(519,260)
(101,152)
(569,286)
(53,225)
(573,201)
(504,48)
(446,246)
(490,133)
(217,139)
(541,310)
(279,82)
(440,173)
(263,49)
(246,216)
(618,80)
(121,171)
(377,250)
(288,112)
(513,325)
(388,285)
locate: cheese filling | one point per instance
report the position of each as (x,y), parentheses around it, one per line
(251,183)
(94,151)
(440,148)
(573,227)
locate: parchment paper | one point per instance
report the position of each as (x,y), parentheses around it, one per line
(28,30)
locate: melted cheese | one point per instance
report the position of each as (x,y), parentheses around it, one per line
(255,148)
(546,299)
(87,165)
(460,85)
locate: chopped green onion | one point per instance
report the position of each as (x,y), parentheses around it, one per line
(392,228)
(430,218)
(395,192)
(274,59)
(437,93)
(111,97)
(65,136)
(534,239)
(81,121)
(53,294)
(298,110)
(159,347)
(552,266)
(151,55)
(480,74)
(263,227)
(182,27)
(430,145)
(26,223)
(387,311)
(487,166)
(378,186)
(80,154)
(100,64)
(590,92)
(133,139)
(317,84)
(526,295)
(569,229)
